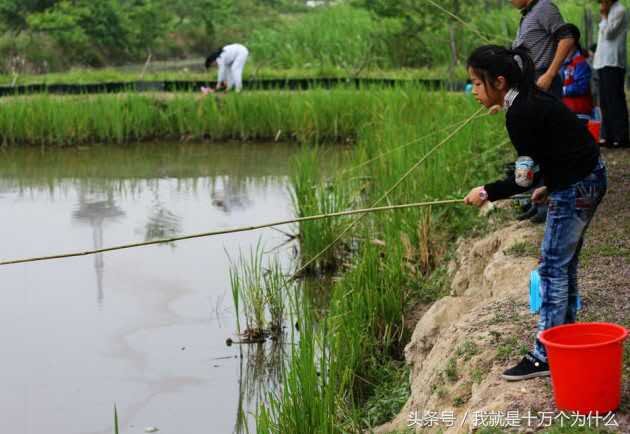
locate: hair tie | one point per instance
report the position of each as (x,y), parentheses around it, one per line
(519,61)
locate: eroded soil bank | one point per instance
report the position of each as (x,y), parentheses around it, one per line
(464,341)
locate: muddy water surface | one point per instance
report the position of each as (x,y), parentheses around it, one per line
(144,328)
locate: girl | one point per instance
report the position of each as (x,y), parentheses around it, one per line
(546,134)
(231,61)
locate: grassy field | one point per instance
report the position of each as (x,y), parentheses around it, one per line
(305,117)
(195,72)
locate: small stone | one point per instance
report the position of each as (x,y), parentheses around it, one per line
(183,348)
(151,429)
(229,342)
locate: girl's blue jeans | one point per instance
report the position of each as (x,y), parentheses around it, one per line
(570,212)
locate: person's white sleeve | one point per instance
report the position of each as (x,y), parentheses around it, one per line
(614,24)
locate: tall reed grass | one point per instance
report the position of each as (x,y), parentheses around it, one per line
(258,291)
(313,116)
(329,37)
(339,361)
(310,199)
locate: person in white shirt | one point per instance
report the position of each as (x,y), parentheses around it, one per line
(610,63)
(231,61)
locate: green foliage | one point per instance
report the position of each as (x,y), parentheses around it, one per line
(353,40)
(363,327)
(353,36)
(389,396)
(523,249)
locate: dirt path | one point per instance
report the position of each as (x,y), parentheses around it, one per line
(604,272)
(605,269)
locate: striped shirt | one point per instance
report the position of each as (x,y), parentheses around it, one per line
(539,32)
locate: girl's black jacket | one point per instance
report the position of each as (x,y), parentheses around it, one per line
(543,128)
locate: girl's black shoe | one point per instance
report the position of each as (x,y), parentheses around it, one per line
(529,367)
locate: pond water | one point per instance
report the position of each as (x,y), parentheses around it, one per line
(144,329)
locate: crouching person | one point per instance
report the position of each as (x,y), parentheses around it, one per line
(231,61)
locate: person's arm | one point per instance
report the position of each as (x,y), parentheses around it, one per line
(520,132)
(553,23)
(614,23)
(565,46)
(581,81)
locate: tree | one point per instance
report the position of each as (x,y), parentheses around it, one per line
(88,29)
(149,23)
(14,13)
(208,13)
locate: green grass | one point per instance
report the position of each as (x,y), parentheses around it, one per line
(308,200)
(467,350)
(258,292)
(307,117)
(389,396)
(116,429)
(353,40)
(523,249)
(252,71)
(450,372)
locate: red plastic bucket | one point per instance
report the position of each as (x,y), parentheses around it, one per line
(586,362)
(594,128)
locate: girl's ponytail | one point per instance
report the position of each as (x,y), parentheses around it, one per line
(527,80)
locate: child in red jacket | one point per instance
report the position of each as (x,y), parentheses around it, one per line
(576,77)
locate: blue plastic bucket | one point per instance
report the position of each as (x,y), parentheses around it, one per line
(535,295)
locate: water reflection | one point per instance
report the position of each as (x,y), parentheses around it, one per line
(261,371)
(168,311)
(95,209)
(229,194)
(147,348)
(162,222)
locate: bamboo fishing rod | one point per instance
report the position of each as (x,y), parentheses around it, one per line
(362,212)
(235,230)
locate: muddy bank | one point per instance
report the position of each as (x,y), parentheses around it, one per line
(464,341)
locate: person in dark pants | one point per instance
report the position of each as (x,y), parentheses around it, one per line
(610,63)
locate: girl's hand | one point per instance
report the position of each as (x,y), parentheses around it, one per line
(476,197)
(540,195)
